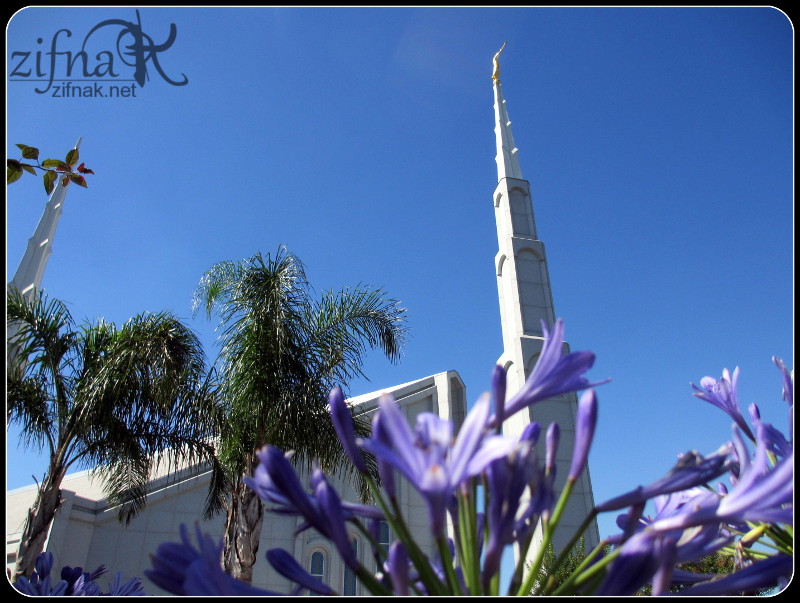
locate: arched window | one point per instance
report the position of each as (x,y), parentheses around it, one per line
(384,537)
(349,575)
(316,567)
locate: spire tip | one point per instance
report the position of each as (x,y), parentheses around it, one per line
(496,62)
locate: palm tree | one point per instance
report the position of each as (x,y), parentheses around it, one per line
(122,400)
(281,353)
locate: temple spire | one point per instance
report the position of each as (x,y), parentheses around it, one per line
(526,303)
(30,273)
(507,153)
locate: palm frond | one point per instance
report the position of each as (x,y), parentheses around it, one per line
(125,483)
(345,324)
(28,403)
(282,351)
(219,487)
(125,400)
(41,330)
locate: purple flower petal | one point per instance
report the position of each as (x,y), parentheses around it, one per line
(381,436)
(788,382)
(286,566)
(759,575)
(499,393)
(333,522)
(343,423)
(181,569)
(554,373)
(469,438)
(691,470)
(723,394)
(584,432)
(552,438)
(397,567)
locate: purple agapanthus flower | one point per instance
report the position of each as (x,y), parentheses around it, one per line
(385,469)
(506,481)
(766,573)
(584,433)
(397,566)
(78,580)
(40,583)
(333,524)
(74,581)
(723,394)
(666,547)
(430,460)
(638,560)
(763,493)
(275,481)
(286,566)
(498,396)
(703,540)
(692,469)
(343,423)
(776,442)
(181,569)
(553,375)
(118,588)
(788,382)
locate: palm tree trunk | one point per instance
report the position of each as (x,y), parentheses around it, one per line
(242,533)
(37,526)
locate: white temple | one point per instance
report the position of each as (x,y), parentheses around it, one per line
(86,532)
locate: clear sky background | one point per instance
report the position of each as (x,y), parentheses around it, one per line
(658,143)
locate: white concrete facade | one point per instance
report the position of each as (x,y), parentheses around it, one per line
(86,532)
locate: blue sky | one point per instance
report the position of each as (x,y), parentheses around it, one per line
(658,143)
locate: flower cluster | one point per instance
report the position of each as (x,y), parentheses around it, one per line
(74,582)
(485,491)
(693,520)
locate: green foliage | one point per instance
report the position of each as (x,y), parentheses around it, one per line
(719,563)
(53,168)
(124,400)
(553,575)
(283,351)
(556,569)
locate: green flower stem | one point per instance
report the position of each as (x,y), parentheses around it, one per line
(467,540)
(591,584)
(523,550)
(575,537)
(549,528)
(533,571)
(561,505)
(494,584)
(395,520)
(782,536)
(380,557)
(371,582)
(447,564)
(426,574)
(579,576)
(753,535)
